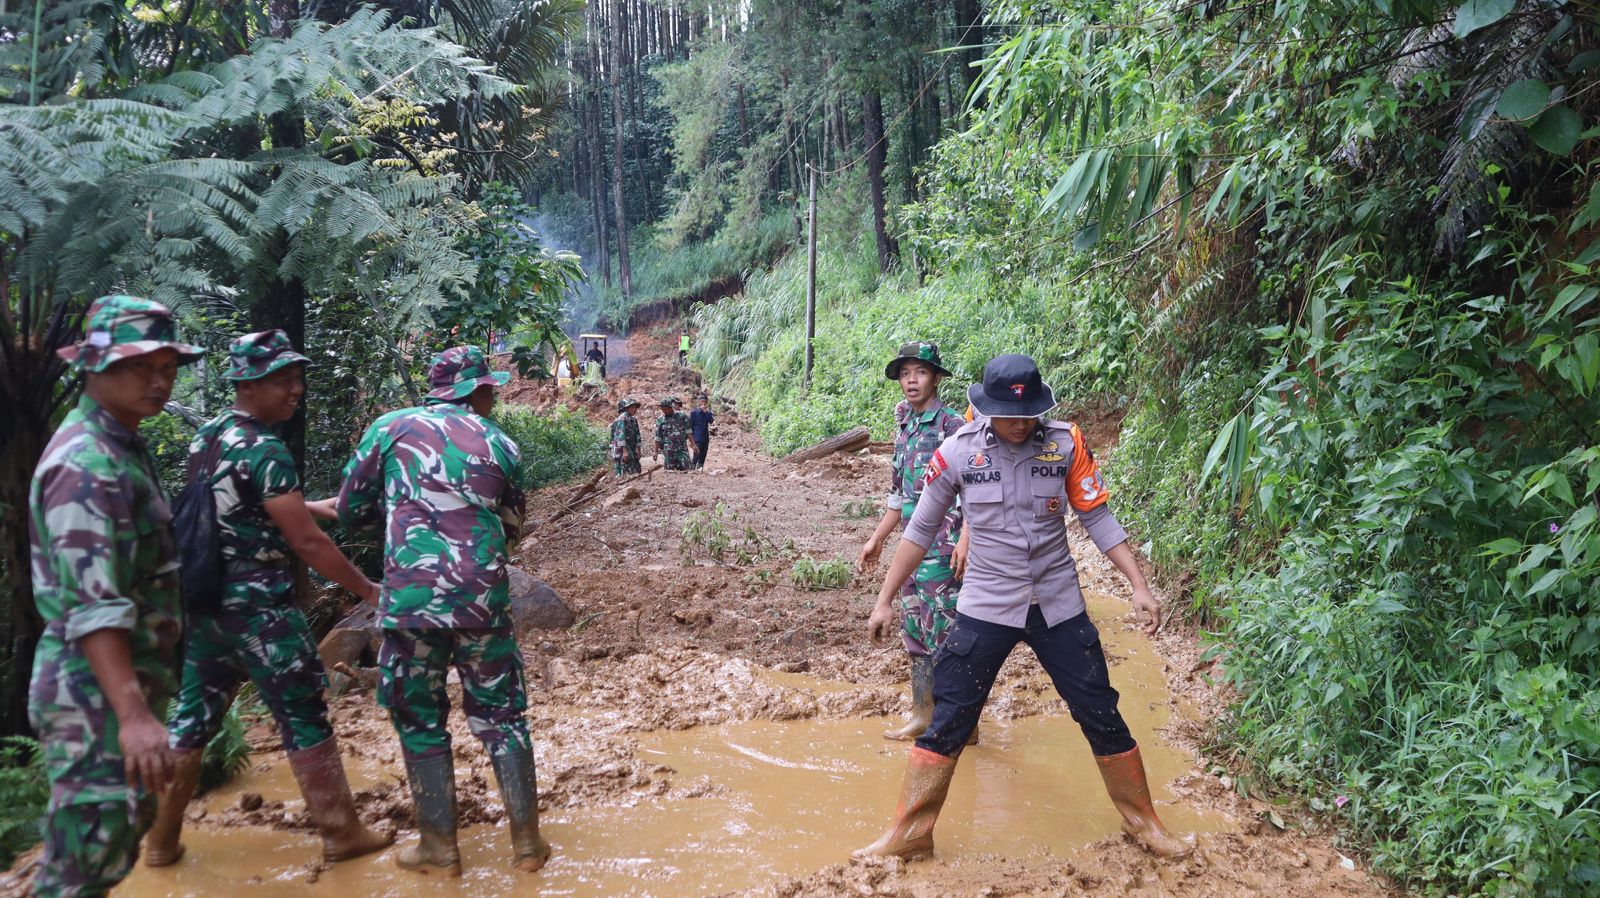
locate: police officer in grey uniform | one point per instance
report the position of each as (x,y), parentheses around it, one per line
(1017,473)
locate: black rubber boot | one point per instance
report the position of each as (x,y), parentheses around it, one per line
(519,789)
(433,791)
(921,701)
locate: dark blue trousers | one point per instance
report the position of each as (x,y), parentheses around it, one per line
(964,669)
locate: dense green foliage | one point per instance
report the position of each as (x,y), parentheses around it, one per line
(1337,263)
(24,791)
(353,175)
(555,446)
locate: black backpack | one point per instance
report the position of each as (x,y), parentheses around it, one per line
(194,522)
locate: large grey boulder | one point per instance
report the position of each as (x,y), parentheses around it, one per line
(535,605)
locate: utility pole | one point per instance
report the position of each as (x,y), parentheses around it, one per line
(811,276)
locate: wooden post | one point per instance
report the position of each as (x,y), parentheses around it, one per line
(811,277)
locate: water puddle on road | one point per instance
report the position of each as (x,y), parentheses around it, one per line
(782,799)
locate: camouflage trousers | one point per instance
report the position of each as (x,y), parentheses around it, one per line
(94,821)
(412,665)
(265,639)
(928,598)
(624,468)
(676,458)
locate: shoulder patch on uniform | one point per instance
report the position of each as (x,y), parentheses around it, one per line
(936,465)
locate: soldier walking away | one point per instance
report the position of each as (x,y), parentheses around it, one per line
(1016,473)
(928,596)
(683,347)
(442,480)
(105,579)
(258,632)
(700,421)
(625,438)
(672,436)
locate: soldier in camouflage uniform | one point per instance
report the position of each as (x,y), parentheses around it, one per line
(258,632)
(442,479)
(625,438)
(105,580)
(672,436)
(928,598)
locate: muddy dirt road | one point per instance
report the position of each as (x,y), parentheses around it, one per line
(709,727)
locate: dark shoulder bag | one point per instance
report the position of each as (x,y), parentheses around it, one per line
(194,521)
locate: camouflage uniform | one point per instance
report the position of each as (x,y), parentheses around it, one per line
(625,440)
(442,480)
(103,557)
(259,633)
(928,598)
(672,439)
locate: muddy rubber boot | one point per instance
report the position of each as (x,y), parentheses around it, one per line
(922,794)
(1130,792)
(433,791)
(519,790)
(161,845)
(921,701)
(320,772)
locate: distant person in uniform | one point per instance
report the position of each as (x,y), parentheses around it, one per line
(105,581)
(672,436)
(1016,474)
(928,596)
(700,421)
(625,438)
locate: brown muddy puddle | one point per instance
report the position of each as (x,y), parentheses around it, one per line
(785,799)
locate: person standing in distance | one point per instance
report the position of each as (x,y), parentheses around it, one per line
(1017,473)
(105,580)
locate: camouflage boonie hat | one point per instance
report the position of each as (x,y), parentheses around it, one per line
(626,404)
(256,355)
(459,370)
(667,401)
(917,351)
(120,327)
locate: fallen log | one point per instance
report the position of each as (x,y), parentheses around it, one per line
(588,487)
(572,506)
(849,441)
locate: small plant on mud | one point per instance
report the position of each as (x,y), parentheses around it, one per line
(861,508)
(712,533)
(809,573)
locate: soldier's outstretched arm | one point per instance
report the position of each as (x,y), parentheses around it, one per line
(147,760)
(292,516)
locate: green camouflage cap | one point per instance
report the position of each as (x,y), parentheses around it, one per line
(459,370)
(626,404)
(120,327)
(919,351)
(256,355)
(667,401)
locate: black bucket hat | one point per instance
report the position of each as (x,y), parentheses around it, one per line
(1011,388)
(916,351)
